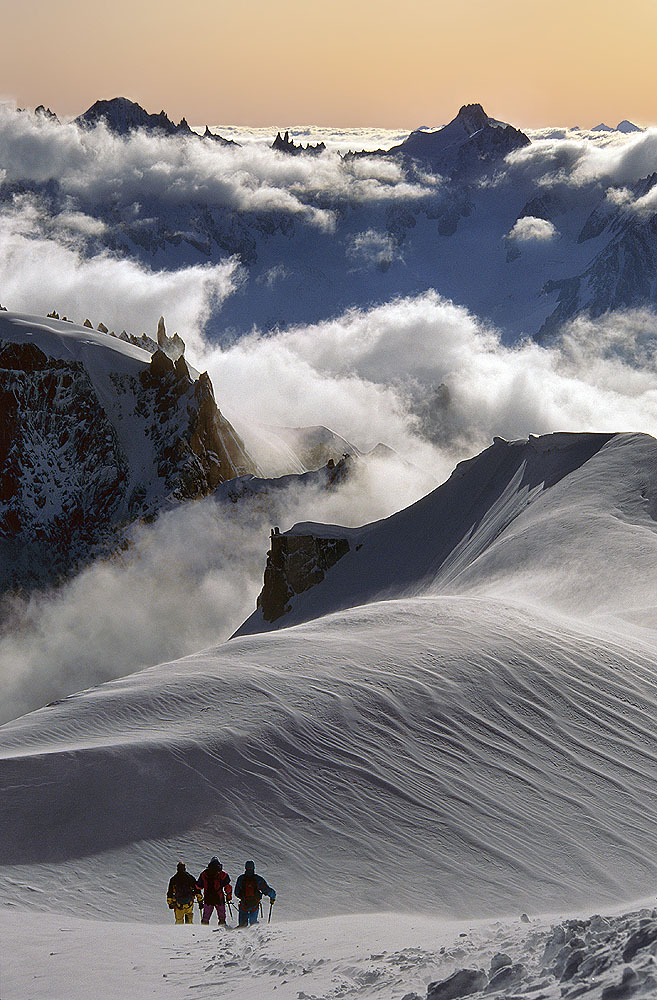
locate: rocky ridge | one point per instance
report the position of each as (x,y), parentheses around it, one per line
(84,455)
(123,116)
(283,144)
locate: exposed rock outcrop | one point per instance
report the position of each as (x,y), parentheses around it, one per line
(63,470)
(294,564)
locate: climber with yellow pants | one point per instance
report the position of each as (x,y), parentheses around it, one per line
(181,894)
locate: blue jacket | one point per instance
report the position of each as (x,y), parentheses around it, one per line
(255,886)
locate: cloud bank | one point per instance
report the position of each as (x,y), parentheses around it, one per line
(428,378)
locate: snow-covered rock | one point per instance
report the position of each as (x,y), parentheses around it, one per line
(96,433)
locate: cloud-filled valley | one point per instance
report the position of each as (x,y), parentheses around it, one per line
(325,291)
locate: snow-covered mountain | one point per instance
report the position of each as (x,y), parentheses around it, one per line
(625,126)
(623,272)
(471,141)
(97,432)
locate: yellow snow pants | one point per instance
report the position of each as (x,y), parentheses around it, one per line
(184,914)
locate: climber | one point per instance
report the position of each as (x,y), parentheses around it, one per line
(250,888)
(181,894)
(217,891)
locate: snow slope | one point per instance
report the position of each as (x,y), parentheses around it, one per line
(475,747)
(566,520)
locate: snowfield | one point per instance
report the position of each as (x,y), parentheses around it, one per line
(391,956)
(478,742)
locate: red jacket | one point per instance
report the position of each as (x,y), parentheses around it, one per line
(215,886)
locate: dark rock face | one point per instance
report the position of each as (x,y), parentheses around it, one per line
(75,472)
(284,144)
(462,984)
(639,940)
(195,447)
(63,470)
(294,564)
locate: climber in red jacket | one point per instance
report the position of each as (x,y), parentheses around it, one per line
(215,885)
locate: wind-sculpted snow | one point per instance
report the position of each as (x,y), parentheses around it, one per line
(445,754)
(565,519)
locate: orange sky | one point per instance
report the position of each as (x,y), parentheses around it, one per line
(340,62)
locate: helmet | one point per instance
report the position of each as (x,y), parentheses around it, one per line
(249,866)
(180,866)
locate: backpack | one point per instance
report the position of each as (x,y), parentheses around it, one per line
(251,894)
(184,888)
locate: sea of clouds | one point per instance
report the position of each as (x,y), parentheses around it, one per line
(419,373)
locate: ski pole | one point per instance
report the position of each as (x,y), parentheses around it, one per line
(271,906)
(261,914)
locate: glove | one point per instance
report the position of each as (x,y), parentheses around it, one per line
(171,905)
(272,899)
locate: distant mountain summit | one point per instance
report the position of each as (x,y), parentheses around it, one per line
(284,144)
(625,126)
(471,139)
(123,116)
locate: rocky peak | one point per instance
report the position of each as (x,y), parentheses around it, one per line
(474,116)
(465,146)
(43,112)
(123,116)
(283,144)
(174,346)
(215,137)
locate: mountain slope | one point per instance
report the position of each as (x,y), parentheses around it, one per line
(497,753)
(528,519)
